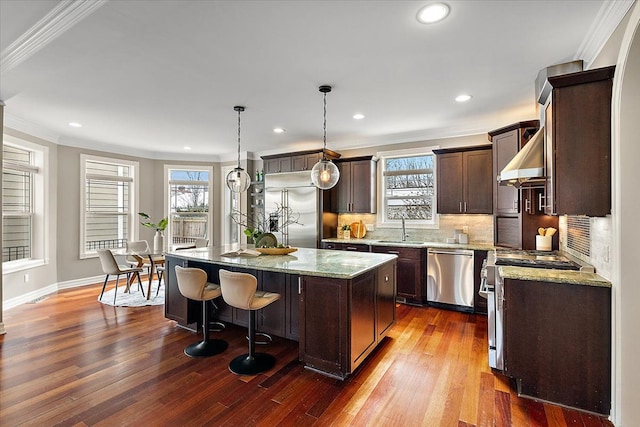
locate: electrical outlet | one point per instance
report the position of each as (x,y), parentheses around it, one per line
(605,253)
(465,229)
(26,278)
(369,227)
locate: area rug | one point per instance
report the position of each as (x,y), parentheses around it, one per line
(134,298)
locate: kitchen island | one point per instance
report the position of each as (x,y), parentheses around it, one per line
(339,308)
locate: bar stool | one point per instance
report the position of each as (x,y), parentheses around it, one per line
(192,283)
(239,290)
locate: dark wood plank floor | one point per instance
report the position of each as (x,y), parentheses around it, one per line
(69,360)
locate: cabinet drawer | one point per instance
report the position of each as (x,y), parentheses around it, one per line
(402,252)
(357,247)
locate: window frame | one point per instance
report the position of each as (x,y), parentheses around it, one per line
(39,223)
(133,198)
(167,195)
(381,220)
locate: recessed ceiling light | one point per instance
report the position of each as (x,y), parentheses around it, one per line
(463,98)
(278,130)
(186,147)
(433,13)
(75,125)
(358,116)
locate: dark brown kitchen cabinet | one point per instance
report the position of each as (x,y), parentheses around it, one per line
(277,164)
(578,143)
(385,299)
(465,180)
(303,162)
(341,319)
(295,162)
(411,280)
(507,141)
(356,188)
(517,212)
(557,340)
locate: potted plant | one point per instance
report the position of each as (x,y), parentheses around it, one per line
(346,231)
(158,239)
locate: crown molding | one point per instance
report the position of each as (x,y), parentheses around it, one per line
(64,16)
(605,23)
(30,128)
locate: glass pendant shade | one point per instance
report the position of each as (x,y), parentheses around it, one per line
(238,180)
(325,174)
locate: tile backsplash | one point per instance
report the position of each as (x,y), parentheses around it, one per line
(480,228)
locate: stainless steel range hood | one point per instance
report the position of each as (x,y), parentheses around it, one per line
(527,166)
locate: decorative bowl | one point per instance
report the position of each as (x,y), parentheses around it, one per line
(276,251)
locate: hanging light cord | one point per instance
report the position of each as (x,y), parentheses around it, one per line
(239,110)
(324,128)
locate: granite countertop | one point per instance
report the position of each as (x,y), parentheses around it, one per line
(415,244)
(305,261)
(557,276)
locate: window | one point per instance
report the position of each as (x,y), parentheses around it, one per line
(108,204)
(408,184)
(189,201)
(23,204)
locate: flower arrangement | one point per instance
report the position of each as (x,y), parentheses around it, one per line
(261,224)
(145,220)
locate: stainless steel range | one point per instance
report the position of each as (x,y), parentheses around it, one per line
(492,288)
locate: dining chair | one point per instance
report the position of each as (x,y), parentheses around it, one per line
(110,267)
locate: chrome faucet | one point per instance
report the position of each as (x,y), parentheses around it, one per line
(404,231)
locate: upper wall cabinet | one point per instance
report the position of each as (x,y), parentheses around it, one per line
(465,180)
(356,188)
(507,141)
(578,143)
(295,162)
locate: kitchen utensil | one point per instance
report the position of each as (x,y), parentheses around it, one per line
(550,231)
(541,231)
(543,243)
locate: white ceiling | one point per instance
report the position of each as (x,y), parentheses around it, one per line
(149,77)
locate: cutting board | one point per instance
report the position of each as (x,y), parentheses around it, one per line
(358,230)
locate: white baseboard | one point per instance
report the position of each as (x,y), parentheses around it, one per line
(47,290)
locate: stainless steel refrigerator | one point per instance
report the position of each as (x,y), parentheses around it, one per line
(295,193)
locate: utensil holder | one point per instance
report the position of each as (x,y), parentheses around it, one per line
(543,243)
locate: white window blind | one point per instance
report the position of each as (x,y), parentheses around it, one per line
(108,202)
(17,203)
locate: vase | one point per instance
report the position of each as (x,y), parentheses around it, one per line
(158,242)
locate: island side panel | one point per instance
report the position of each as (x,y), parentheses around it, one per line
(323,324)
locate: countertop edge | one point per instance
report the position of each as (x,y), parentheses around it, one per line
(233,262)
(570,277)
(436,245)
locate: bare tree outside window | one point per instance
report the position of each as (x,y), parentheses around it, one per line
(409,188)
(189,205)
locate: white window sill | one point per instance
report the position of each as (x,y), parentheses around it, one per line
(14,266)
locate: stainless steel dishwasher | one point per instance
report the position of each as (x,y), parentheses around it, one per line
(450,278)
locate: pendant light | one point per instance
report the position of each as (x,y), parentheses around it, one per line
(238,180)
(325,173)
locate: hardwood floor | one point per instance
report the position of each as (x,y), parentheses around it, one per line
(69,360)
